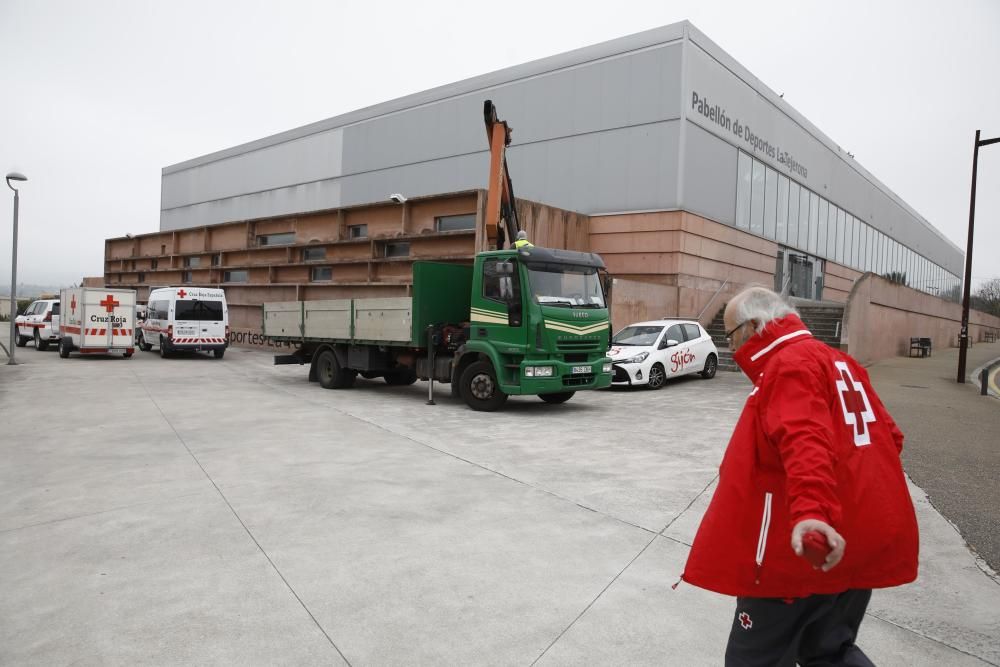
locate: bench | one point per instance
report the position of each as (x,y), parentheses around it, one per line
(990,336)
(921,345)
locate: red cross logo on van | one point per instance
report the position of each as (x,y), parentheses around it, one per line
(181,293)
(109,303)
(72,305)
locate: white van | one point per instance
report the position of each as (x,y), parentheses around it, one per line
(185,319)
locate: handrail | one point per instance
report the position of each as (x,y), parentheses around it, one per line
(712,299)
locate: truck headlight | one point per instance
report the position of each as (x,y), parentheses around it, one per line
(637,359)
(607,367)
(538,371)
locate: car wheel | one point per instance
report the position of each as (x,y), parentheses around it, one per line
(164,352)
(479,387)
(64,348)
(219,353)
(22,340)
(143,345)
(711,365)
(560,397)
(657,377)
(331,375)
(40,345)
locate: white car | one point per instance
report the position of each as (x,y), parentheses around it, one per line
(647,353)
(36,324)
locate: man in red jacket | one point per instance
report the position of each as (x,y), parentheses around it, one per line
(814,450)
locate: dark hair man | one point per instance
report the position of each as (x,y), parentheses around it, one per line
(813,461)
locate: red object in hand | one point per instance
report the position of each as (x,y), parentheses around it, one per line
(815,548)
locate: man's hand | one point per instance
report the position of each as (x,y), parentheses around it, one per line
(833,538)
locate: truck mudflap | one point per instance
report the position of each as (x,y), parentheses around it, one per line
(288,359)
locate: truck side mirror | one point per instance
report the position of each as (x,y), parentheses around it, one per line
(506,288)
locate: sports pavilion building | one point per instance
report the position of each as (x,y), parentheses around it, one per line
(657,150)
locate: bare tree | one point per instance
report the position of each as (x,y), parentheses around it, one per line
(987,297)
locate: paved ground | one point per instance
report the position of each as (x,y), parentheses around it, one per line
(952,449)
(229,512)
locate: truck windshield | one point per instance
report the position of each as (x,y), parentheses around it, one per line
(202,311)
(565,285)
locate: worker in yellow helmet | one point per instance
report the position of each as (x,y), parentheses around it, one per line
(522,240)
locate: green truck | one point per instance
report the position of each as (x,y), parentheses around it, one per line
(531,321)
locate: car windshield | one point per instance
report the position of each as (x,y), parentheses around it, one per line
(639,336)
(203,311)
(567,286)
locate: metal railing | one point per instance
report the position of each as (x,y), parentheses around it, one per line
(721,287)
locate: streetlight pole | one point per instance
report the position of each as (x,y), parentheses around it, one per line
(13,176)
(963,337)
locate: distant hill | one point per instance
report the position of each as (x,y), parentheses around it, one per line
(29,291)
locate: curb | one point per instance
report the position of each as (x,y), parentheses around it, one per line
(991,386)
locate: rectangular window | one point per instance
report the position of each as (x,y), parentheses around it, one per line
(454,223)
(838,248)
(192,262)
(855,242)
(153,263)
(283,238)
(781,227)
(821,230)
(217,259)
(744,168)
(142,277)
(500,281)
(770,202)
(813,222)
(321,273)
(236,276)
(198,310)
(804,219)
(862,246)
(313,254)
(397,249)
(757,199)
(357,231)
(186,277)
(793,214)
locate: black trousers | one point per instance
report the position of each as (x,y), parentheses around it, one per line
(815,631)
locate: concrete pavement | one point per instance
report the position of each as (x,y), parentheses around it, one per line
(229,512)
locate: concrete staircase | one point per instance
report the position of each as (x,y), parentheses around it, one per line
(823,318)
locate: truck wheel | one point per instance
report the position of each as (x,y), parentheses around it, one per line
(164,352)
(560,397)
(403,376)
(331,375)
(40,345)
(143,345)
(64,347)
(219,353)
(22,340)
(479,387)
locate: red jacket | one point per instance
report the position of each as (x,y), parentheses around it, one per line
(813,442)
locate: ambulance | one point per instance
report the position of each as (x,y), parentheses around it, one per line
(97,320)
(185,319)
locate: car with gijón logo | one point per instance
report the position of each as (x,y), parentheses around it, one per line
(36,324)
(185,319)
(648,353)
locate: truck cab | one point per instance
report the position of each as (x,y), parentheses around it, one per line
(538,324)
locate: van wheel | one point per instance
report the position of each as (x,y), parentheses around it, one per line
(560,397)
(127,355)
(40,345)
(331,375)
(219,353)
(711,365)
(64,348)
(22,340)
(143,345)
(164,352)
(402,376)
(479,387)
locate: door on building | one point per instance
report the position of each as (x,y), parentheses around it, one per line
(798,274)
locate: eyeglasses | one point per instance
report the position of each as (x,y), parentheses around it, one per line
(729,334)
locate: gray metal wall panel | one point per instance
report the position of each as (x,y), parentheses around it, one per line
(709,176)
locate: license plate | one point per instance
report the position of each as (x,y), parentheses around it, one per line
(185,331)
(576,370)
(116,349)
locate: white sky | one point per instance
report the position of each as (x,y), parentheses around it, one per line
(97,97)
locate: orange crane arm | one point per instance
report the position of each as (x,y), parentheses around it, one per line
(501,220)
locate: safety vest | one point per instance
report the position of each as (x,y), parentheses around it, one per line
(523,243)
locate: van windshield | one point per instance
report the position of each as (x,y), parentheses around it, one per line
(202,311)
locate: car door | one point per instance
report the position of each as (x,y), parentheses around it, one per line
(25,321)
(697,346)
(673,361)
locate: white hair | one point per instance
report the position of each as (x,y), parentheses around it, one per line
(762,305)
(522,235)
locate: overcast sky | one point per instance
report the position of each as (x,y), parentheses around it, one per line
(97,97)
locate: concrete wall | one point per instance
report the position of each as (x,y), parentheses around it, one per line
(881,317)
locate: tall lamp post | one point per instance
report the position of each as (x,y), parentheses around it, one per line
(963,337)
(13,176)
